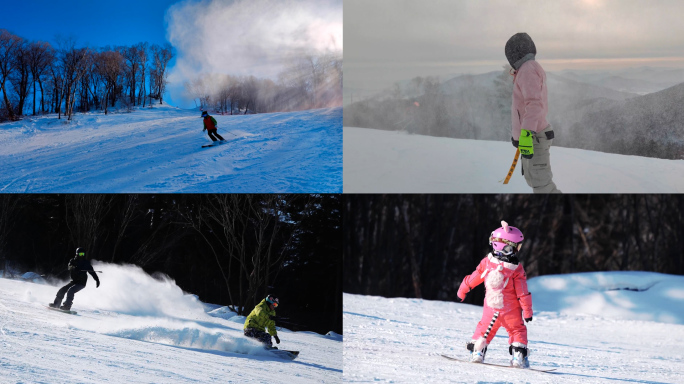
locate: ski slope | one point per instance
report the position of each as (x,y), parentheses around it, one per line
(137,329)
(157,150)
(399,340)
(378,161)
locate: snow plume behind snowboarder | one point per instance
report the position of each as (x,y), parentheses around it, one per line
(507,300)
(262,318)
(531,133)
(211,126)
(79,267)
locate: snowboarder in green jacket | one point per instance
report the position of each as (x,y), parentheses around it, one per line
(210,126)
(261,318)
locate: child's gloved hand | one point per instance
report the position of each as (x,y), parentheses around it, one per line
(528,319)
(463,291)
(277,339)
(515,142)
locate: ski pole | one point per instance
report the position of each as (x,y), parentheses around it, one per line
(482,341)
(515,162)
(85,270)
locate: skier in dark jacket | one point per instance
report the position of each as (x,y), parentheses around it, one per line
(78,266)
(210,126)
(261,318)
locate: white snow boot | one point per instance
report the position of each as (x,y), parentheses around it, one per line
(518,356)
(476,356)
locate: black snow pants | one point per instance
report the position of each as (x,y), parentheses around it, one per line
(212,133)
(70,290)
(263,337)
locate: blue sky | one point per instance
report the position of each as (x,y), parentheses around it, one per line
(93,22)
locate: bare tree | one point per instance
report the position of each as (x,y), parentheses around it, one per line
(84,216)
(131,66)
(9,44)
(108,65)
(41,56)
(20,78)
(250,226)
(142,59)
(161,55)
(8,205)
(73,65)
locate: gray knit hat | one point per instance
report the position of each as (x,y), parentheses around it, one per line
(519,49)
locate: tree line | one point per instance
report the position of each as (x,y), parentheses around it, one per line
(424,245)
(227,249)
(308,81)
(37,78)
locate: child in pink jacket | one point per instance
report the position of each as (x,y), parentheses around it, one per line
(506,296)
(528,112)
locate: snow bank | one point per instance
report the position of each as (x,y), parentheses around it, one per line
(334,336)
(395,162)
(621,295)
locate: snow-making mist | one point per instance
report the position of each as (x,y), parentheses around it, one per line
(591,327)
(633,111)
(137,328)
(160,150)
(396,162)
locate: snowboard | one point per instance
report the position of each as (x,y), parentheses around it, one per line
(60,310)
(283,354)
(545,370)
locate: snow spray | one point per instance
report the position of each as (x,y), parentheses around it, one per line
(482,341)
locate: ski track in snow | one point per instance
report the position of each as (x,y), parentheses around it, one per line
(185,345)
(378,161)
(400,341)
(159,150)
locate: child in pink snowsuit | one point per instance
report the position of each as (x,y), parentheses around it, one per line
(506,295)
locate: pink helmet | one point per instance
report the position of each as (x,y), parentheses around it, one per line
(506,239)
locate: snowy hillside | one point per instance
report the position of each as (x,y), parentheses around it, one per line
(137,329)
(395,162)
(400,340)
(159,150)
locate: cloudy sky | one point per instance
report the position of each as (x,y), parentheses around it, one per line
(393,40)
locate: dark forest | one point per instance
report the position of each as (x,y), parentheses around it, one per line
(423,245)
(227,249)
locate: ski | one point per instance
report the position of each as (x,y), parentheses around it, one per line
(61,310)
(544,370)
(214,144)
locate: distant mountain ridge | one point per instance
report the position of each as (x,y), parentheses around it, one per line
(581,110)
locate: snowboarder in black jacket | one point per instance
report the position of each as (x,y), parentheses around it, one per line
(78,266)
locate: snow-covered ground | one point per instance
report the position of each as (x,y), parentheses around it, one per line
(378,161)
(137,329)
(159,150)
(399,340)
